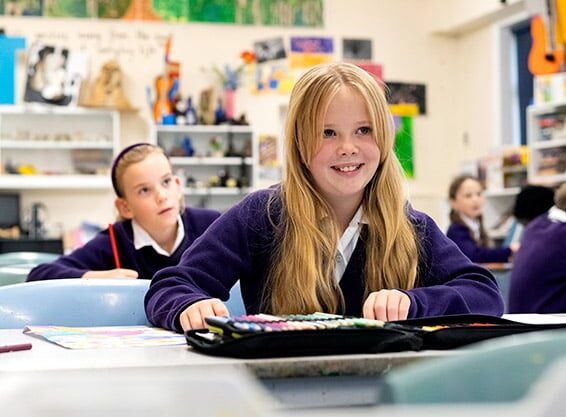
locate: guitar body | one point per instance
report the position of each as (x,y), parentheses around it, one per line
(542,59)
(162,105)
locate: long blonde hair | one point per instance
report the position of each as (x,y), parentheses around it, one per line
(302,273)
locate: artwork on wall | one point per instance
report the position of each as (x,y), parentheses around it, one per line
(54,75)
(310,51)
(269,165)
(407,94)
(269,50)
(404,144)
(356,49)
(306,13)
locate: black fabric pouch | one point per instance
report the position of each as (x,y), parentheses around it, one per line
(464,329)
(304,342)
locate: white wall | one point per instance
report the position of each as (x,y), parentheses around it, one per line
(457,71)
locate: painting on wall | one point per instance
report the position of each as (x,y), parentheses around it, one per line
(404,144)
(404,93)
(21,7)
(310,51)
(356,49)
(54,75)
(305,13)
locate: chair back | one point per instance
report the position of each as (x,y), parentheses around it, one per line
(497,370)
(235,303)
(74,302)
(14,274)
(35,258)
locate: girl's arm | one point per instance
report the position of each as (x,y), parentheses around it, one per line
(210,266)
(95,255)
(463,239)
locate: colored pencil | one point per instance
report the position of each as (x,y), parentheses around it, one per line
(114,247)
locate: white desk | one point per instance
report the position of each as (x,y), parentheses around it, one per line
(322,380)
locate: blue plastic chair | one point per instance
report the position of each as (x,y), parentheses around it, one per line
(14,274)
(497,370)
(83,303)
(35,258)
(235,304)
(74,302)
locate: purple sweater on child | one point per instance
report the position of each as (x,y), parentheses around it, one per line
(240,244)
(462,237)
(97,254)
(538,277)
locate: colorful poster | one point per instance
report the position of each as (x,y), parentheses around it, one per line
(307,13)
(106,337)
(404,144)
(310,51)
(405,93)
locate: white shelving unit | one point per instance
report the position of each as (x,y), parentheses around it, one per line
(61,147)
(546,136)
(233,156)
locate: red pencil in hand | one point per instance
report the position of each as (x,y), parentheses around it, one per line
(113,244)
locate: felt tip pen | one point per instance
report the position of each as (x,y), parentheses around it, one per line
(15,348)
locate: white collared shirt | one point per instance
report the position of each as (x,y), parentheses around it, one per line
(142,238)
(348,242)
(474,226)
(557,215)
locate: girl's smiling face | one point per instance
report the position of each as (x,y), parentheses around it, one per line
(349,156)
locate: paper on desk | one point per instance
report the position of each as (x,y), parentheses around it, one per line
(536,318)
(106,337)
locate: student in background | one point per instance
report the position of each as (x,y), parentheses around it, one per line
(538,277)
(337,235)
(466,228)
(155,229)
(531,202)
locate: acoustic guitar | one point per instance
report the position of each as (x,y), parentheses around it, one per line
(547,54)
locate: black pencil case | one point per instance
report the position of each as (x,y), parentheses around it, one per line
(464,329)
(304,342)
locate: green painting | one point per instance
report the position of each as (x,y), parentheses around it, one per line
(308,13)
(112,9)
(65,8)
(404,145)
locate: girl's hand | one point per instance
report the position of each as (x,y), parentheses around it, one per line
(112,273)
(387,305)
(193,316)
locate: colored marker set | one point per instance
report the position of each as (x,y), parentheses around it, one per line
(260,323)
(264,335)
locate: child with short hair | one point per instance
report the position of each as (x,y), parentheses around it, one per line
(337,235)
(154,232)
(538,277)
(466,225)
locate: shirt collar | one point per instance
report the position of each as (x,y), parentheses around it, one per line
(474,225)
(557,215)
(142,238)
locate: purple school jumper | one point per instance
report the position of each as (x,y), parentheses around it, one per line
(538,277)
(97,255)
(239,244)
(462,237)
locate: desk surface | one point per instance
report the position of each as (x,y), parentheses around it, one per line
(45,356)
